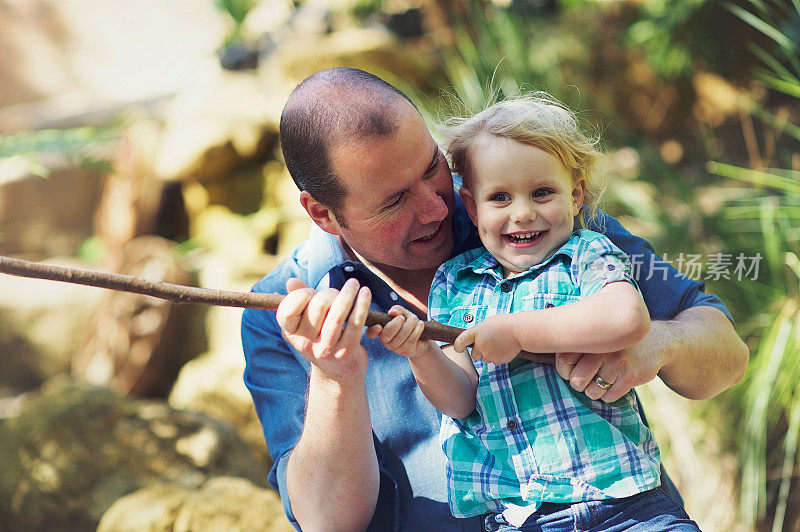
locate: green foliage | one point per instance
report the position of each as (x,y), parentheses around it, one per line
(238,11)
(92,250)
(780,23)
(664,33)
(494,52)
(79,146)
(769,395)
(363,9)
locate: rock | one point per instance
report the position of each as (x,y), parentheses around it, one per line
(60,48)
(212,383)
(76,448)
(48,217)
(223,503)
(137,344)
(40,323)
(217,127)
(232,504)
(153,508)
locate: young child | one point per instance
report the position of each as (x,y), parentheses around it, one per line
(521,444)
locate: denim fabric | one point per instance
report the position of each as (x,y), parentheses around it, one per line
(647,512)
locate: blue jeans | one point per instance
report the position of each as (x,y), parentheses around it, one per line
(649,511)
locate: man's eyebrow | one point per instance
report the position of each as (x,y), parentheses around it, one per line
(428,171)
(433,164)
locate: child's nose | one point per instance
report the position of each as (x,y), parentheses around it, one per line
(523,213)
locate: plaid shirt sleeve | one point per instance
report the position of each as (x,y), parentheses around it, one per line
(598,262)
(438,309)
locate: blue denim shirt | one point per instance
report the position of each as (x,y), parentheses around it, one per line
(413,491)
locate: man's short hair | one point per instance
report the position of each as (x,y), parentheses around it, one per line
(328,108)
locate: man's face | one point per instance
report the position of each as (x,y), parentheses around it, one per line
(398,210)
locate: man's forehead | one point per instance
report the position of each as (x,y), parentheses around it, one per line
(408,149)
(373,166)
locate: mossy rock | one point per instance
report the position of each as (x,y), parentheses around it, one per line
(75,449)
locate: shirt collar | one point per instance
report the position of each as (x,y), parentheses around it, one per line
(485,263)
(322,252)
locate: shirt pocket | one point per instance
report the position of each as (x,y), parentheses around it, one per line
(547,300)
(465,316)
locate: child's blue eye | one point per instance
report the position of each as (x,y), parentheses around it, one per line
(541,192)
(499,197)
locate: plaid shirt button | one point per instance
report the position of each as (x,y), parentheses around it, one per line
(468,318)
(511,425)
(505,288)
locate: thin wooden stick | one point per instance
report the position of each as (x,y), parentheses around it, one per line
(203,296)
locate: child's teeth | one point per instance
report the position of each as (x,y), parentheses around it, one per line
(525,237)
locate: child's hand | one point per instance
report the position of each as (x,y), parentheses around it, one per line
(401,335)
(492,340)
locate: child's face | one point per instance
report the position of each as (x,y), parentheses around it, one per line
(522,200)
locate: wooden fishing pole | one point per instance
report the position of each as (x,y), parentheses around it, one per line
(204,296)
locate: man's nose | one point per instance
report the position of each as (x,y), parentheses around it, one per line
(432,207)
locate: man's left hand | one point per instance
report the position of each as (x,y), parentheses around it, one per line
(623,370)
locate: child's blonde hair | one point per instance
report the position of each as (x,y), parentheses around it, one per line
(539,120)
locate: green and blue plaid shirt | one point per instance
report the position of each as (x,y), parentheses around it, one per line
(532,438)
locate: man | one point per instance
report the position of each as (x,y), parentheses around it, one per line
(354,441)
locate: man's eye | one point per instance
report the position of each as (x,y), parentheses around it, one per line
(499,197)
(541,192)
(396,201)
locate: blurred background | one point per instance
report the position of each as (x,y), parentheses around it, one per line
(141,138)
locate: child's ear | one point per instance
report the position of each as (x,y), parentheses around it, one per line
(578,193)
(469,203)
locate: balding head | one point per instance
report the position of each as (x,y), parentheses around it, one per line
(327,109)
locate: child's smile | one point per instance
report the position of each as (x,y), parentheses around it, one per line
(524,238)
(522,199)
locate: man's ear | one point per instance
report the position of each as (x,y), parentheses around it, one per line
(578,193)
(469,203)
(322,215)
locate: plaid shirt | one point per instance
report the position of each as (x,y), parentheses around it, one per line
(532,438)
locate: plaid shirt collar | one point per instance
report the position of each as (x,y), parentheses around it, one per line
(486,263)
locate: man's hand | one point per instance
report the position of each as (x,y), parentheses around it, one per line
(492,340)
(624,370)
(326,326)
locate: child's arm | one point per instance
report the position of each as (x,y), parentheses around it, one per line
(612,319)
(447,378)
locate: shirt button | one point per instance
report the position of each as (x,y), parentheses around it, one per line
(611,267)
(511,425)
(393,295)
(549,305)
(468,318)
(349,268)
(505,288)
